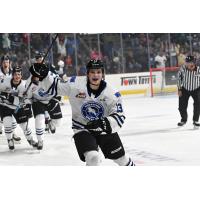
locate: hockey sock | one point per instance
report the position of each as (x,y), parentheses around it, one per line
(40,126)
(7,122)
(14,124)
(26,130)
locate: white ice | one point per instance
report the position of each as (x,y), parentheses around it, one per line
(150,136)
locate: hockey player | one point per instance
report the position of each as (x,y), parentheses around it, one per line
(12,89)
(97,114)
(189,85)
(49,124)
(40,104)
(5,71)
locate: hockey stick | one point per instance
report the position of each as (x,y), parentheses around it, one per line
(50,47)
(25,93)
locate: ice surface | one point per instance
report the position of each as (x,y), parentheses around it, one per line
(150,136)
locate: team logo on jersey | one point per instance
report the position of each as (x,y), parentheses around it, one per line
(92,110)
(81,95)
(41,92)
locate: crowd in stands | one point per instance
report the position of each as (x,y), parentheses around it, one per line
(121,53)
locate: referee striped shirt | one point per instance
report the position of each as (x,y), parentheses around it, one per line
(190,80)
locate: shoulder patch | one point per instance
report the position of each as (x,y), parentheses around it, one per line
(72,79)
(117,94)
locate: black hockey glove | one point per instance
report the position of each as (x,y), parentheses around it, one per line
(7,98)
(99,126)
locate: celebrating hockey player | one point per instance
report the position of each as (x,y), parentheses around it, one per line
(97,113)
(5,71)
(11,99)
(49,124)
(40,104)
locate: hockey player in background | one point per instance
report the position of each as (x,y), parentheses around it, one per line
(41,103)
(49,125)
(13,105)
(97,114)
(5,71)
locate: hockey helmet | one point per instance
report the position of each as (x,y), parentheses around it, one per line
(5,57)
(190,59)
(38,55)
(95,64)
(39,70)
(16,69)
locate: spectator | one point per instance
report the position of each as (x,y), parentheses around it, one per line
(173,55)
(68,61)
(181,58)
(6,42)
(95,55)
(61,46)
(160,60)
(61,65)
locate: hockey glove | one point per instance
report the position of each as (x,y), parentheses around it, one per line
(7,98)
(100,125)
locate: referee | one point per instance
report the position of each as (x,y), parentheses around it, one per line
(189,85)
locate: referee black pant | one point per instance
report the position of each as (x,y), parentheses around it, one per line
(183,104)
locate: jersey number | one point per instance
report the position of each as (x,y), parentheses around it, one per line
(119,107)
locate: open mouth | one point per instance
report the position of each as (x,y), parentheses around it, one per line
(95,79)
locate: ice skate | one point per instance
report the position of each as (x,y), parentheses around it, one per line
(11,144)
(16,138)
(52,127)
(196,125)
(40,145)
(33,143)
(181,123)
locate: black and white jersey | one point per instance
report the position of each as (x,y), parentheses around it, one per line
(39,91)
(190,80)
(4,75)
(87,105)
(11,95)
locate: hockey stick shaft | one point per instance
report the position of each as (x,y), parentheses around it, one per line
(50,47)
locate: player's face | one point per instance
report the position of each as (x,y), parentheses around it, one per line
(39,60)
(17,76)
(6,64)
(190,66)
(95,76)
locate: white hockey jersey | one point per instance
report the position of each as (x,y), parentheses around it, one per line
(3,75)
(86,106)
(6,88)
(38,93)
